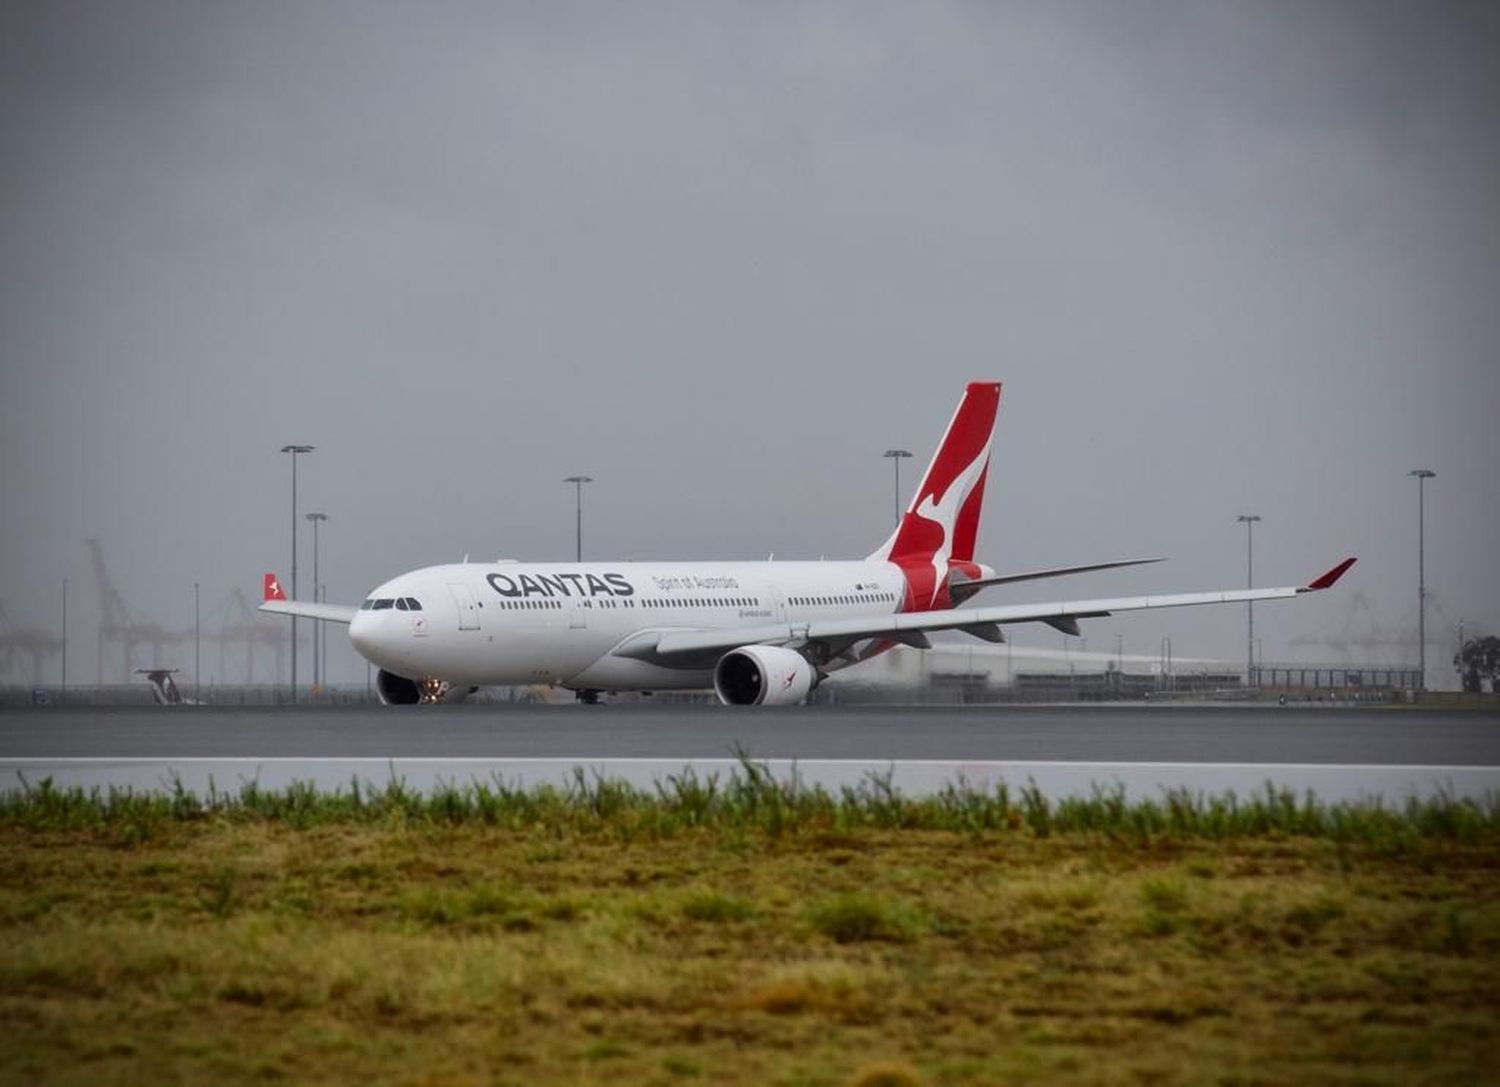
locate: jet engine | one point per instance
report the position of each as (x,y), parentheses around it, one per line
(763,675)
(397,690)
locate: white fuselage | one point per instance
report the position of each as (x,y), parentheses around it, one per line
(523,623)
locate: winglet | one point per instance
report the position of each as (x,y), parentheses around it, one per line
(1329,578)
(272,588)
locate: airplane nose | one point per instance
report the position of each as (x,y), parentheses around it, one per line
(362,634)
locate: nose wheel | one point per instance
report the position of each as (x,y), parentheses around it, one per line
(432,690)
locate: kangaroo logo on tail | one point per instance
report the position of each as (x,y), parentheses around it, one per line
(941,525)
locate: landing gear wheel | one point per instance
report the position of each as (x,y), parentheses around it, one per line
(588,696)
(431,690)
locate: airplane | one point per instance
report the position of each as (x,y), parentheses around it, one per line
(756,633)
(164,690)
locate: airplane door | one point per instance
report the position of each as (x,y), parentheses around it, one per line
(468,611)
(578,614)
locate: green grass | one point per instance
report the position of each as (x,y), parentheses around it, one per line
(751,800)
(855,918)
(744,931)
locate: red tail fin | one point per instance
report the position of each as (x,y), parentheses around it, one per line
(272,588)
(942,522)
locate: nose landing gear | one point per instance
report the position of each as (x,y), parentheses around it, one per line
(432,690)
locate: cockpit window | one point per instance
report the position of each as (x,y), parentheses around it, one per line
(401,603)
(412,604)
(368,604)
(383,604)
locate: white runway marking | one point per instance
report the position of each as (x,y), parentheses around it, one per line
(914,777)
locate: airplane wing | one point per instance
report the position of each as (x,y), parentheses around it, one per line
(912,627)
(305,609)
(276,603)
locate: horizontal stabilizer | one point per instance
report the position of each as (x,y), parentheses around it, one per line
(962,590)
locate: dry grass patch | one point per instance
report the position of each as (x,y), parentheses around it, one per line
(304,945)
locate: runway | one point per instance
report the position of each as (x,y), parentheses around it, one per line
(1340,753)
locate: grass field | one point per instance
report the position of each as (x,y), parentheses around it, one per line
(744,932)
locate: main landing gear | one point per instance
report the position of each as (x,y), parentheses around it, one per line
(588,696)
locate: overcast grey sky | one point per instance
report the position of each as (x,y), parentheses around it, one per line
(1226,258)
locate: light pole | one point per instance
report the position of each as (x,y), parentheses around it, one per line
(897,456)
(1423,475)
(316,519)
(578,482)
(64,683)
(197,646)
(323,638)
(65,636)
(1248,520)
(294,450)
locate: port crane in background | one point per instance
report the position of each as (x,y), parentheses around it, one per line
(120,625)
(33,642)
(243,628)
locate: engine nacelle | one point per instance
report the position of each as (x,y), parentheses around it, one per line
(397,690)
(763,675)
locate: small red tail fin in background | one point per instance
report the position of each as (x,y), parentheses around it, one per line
(273,588)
